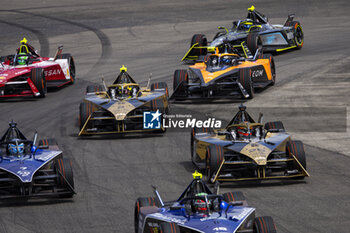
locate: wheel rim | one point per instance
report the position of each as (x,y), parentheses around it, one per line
(299,36)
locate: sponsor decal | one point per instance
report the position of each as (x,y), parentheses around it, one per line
(23,172)
(2,77)
(52,72)
(151,120)
(257,73)
(167,218)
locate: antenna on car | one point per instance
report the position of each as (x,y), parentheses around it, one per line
(104,83)
(158,196)
(149,81)
(261,117)
(58,52)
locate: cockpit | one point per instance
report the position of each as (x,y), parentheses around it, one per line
(124,86)
(221,61)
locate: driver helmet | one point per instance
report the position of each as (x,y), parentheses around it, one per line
(200,205)
(14,149)
(226,60)
(243,132)
(248,23)
(22,58)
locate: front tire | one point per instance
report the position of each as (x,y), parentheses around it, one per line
(169,227)
(201,41)
(180,82)
(38,78)
(254,42)
(85,110)
(264,224)
(297,149)
(64,173)
(142,202)
(215,156)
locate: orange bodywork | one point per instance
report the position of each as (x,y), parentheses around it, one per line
(209,76)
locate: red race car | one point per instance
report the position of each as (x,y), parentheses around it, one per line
(26,73)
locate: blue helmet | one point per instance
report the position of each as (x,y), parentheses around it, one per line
(15,149)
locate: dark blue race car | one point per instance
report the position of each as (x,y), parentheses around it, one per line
(27,170)
(198,209)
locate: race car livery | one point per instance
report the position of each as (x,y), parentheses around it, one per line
(247,150)
(198,209)
(26,73)
(254,31)
(231,74)
(28,170)
(123,107)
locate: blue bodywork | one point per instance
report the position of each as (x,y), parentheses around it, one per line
(26,166)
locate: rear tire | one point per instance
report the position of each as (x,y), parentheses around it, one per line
(253,42)
(298,34)
(38,78)
(85,110)
(71,65)
(215,156)
(234,196)
(94,88)
(264,224)
(169,227)
(160,85)
(64,168)
(202,42)
(51,142)
(180,83)
(275,125)
(246,81)
(142,202)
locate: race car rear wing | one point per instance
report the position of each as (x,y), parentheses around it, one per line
(289,20)
(58,52)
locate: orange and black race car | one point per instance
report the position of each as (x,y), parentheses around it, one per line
(225,75)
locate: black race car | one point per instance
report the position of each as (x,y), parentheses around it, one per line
(255,31)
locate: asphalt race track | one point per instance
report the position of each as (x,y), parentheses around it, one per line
(151,36)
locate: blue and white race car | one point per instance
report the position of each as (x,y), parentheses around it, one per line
(199,210)
(29,171)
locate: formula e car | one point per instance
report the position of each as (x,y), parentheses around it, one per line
(225,75)
(27,170)
(123,107)
(198,209)
(255,32)
(247,150)
(26,73)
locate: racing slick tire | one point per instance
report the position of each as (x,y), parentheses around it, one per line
(160,86)
(38,78)
(254,42)
(246,81)
(142,202)
(180,78)
(264,224)
(64,171)
(215,156)
(94,88)
(85,110)
(169,227)
(298,34)
(194,131)
(235,197)
(297,149)
(276,125)
(51,143)
(202,42)
(71,65)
